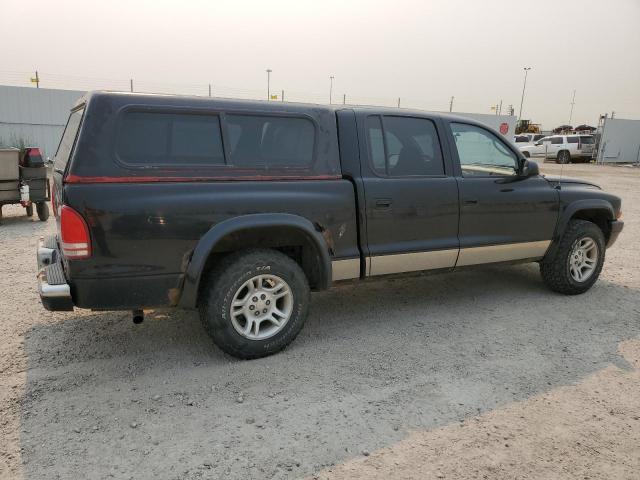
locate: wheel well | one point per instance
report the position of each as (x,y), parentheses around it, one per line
(598,216)
(291,241)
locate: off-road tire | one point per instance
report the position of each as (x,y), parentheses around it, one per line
(555,268)
(564,157)
(29,210)
(222,283)
(43,211)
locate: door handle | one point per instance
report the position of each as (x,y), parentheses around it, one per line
(383,202)
(471,201)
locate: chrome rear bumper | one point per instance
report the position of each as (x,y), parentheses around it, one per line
(53,288)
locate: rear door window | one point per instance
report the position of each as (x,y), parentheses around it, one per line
(572,139)
(176,139)
(404,146)
(68,139)
(257,141)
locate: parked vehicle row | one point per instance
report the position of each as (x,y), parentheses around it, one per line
(528,137)
(563,148)
(241,208)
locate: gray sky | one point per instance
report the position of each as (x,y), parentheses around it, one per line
(421,51)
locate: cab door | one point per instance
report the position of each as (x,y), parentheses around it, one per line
(411,195)
(503,216)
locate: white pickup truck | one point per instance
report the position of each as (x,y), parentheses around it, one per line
(563,148)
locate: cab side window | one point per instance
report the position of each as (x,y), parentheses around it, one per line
(482,153)
(404,146)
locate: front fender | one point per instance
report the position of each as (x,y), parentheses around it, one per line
(246,223)
(578,205)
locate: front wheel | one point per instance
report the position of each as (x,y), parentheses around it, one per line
(526,154)
(254,303)
(29,209)
(576,263)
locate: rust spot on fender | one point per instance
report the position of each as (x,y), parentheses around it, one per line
(174,296)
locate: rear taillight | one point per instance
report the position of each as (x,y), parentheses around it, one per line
(74,234)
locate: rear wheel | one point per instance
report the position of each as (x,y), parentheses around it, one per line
(577,260)
(564,157)
(254,303)
(43,211)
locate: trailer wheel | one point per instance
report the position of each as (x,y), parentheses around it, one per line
(43,211)
(29,210)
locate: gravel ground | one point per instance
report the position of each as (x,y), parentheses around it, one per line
(379,383)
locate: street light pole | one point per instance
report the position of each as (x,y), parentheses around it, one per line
(526,70)
(331,89)
(269,83)
(573,102)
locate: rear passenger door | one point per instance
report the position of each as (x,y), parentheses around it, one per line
(411,196)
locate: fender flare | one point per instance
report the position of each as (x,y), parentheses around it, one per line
(575,207)
(208,242)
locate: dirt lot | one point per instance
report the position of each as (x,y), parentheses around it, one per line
(477,374)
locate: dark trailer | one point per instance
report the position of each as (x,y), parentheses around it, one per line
(24,180)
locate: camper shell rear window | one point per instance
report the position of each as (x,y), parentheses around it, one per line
(68,140)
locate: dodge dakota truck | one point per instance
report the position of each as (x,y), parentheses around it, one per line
(240,208)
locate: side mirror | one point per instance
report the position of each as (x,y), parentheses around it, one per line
(529,169)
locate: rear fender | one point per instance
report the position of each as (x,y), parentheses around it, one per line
(246,224)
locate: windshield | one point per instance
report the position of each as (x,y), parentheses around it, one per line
(67,141)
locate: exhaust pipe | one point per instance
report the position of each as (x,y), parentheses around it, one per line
(137,316)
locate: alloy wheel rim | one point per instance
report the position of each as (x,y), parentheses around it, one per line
(583,259)
(261,307)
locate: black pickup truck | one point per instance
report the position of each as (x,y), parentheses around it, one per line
(241,208)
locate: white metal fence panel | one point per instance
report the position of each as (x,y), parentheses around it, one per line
(620,141)
(505,124)
(34,116)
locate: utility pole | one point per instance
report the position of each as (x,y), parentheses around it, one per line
(131,84)
(526,70)
(398,102)
(344,98)
(331,89)
(500,108)
(269,83)
(36,80)
(451,104)
(209,89)
(573,102)
(282,97)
